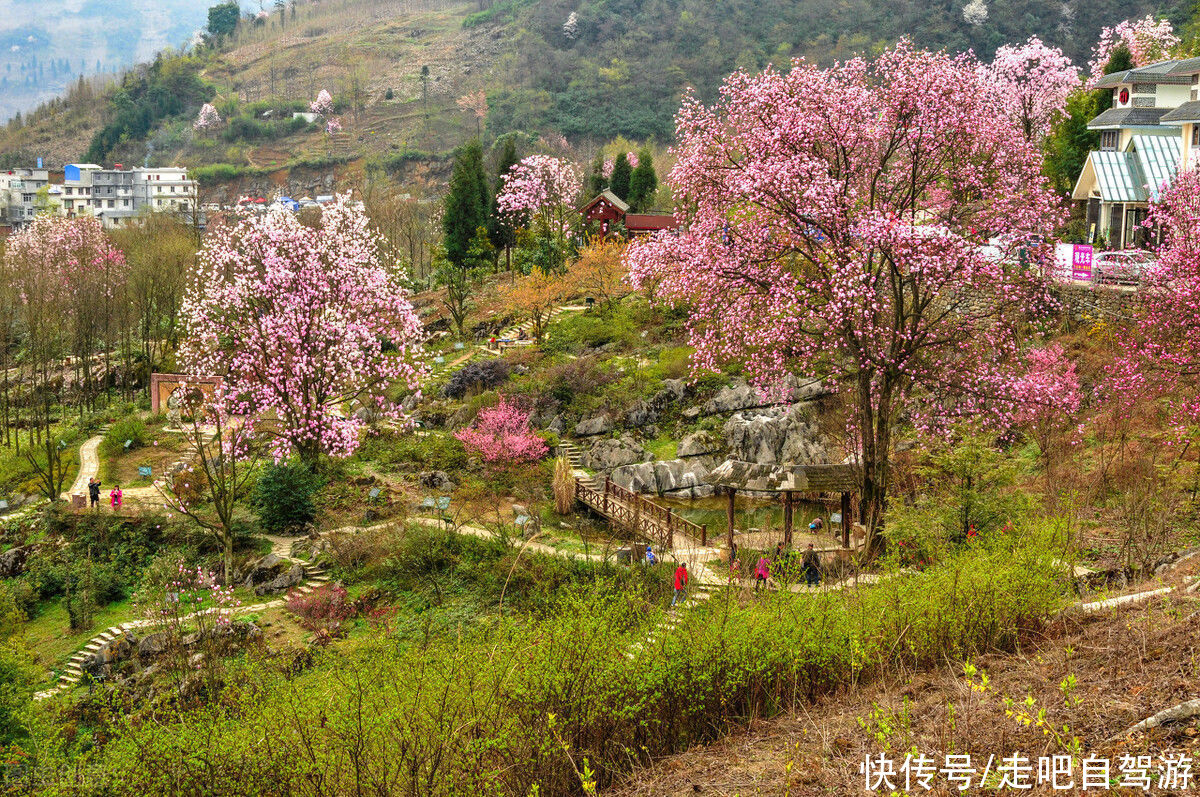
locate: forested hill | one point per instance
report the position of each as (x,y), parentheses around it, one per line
(400,70)
(601,68)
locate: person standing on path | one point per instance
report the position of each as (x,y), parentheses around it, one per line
(114,498)
(811,563)
(681,580)
(762,572)
(651,559)
(94,492)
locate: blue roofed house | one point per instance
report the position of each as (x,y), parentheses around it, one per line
(1144,139)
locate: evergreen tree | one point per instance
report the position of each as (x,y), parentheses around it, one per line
(502,232)
(1070,141)
(597,182)
(466,203)
(622,173)
(1120,60)
(643,184)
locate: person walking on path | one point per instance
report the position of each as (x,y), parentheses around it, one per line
(651,559)
(94,492)
(811,564)
(681,580)
(114,498)
(762,572)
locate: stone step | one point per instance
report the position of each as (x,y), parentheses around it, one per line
(70,679)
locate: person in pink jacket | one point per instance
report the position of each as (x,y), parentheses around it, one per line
(762,571)
(114,498)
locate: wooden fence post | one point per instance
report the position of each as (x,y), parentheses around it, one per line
(845,520)
(704,536)
(607,482)
(787,517)
(729,515)
(670,531)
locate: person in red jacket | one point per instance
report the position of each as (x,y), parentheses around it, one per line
(681,579)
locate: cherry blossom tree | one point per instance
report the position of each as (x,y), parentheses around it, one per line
(477,104)
(1049,399)
(1147,39)
(1160,350)
(543,189)
(1032,82)
(832,226)
(301,321)
(208,119)
(501,435)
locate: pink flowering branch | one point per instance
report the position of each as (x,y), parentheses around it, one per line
(501,435)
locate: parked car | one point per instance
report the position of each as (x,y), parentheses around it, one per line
(1125,266)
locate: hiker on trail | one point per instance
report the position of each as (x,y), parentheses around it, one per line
(94,492)
(114,498)
(681,580)
(811,564)
(651,559)
(761,572)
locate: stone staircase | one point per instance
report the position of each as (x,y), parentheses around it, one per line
(696,593)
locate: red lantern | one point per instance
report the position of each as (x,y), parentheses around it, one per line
(1123,96)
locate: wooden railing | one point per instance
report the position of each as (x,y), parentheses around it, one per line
(634,513)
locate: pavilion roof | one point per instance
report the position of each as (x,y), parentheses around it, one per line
(782,478)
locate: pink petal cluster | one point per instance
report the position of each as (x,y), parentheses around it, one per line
(475,102)
(70,261)
(606,170)
(1147,39)
(334,125)
(1160,349)
(1032,82)
(295,318)
(1048,392)
(208,118)
(832,222)
(633,159)
(537,183)
(501,435)
(323,104)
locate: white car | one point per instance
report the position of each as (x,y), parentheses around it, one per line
(1126,266)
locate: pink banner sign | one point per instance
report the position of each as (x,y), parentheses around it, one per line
(1081,262)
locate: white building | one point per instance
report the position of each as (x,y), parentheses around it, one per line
(19,195)
(117,195)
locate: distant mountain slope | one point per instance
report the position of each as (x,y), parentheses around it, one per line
(589,69)
(45,45)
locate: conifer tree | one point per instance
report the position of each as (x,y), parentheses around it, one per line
(597,182)
(643,184)
(502,228)
(466,203)
(622,173)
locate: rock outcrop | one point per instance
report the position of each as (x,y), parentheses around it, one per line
(590,427)
(677,478)
(607,454)
(775,435)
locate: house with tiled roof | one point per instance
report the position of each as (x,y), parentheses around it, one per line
(607,209)
(1145,138)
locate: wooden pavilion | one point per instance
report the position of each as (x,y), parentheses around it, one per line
(606,208)
(790,480)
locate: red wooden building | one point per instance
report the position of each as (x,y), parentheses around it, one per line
(608,208)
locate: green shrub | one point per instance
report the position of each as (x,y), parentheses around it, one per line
(131,429)
(504,706)
(283,498)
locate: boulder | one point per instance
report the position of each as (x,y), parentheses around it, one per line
(436,480)
(775,435)
(697,444)
(557,425)
(589,427)
(668,477)
(739,395)
(12,561)
(293,576)
(608,453)
(100,664)
(640,414)
(263,570)
(152,646)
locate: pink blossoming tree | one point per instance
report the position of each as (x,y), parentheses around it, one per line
(1048,400)
(301,321)
(1147,39)
(323,104)
(1032,82)
(833,225)
(208,119)
(501,435)
(1160,356)
(543,190)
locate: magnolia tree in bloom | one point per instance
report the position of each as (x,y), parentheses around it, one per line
(301,321)
(501,435)
(834,224)
(1032,82)
(323,104)
(208,119)
(1049,402)
(1147,39)
(543,190)
(1161,349)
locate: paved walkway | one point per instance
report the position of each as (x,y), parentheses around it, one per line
(89,467)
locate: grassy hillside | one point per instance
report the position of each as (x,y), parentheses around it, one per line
(591,71)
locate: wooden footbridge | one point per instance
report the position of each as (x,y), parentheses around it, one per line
(630,511)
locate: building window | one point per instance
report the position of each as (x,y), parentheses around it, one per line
(1109,140)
